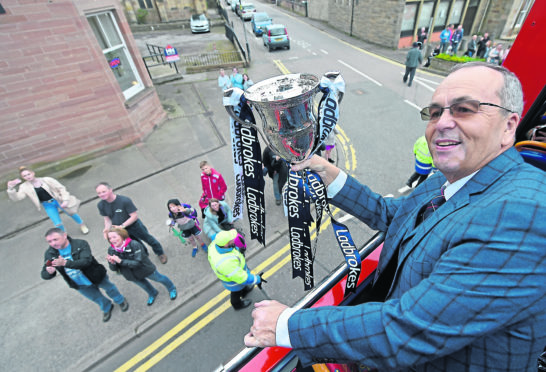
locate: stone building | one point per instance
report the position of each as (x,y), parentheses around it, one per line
(394,23)
(73,83)
(157,11)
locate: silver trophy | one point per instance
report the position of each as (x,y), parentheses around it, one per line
(285,105)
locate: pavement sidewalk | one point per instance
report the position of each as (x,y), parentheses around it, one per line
(43,321)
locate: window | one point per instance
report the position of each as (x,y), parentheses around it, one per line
(522,14)
(115,51)
(145,4)
(441,16)
(456,12)
(408,19)
(426,15)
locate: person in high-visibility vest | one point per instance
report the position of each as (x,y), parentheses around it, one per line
(227,260)
(423,164)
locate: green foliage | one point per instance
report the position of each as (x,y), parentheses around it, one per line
(463,59)
(141,15)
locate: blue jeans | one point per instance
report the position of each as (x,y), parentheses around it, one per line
(156,276)
(52,207)
(93,293)
(139,232)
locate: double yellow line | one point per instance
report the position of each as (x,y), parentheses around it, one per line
(215,307)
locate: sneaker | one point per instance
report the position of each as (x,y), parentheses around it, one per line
(124,306)
(84,229)
(173,294)
(107,315)
(404,189)
(163,258)
(331,160)
(205,248)
(151,300)
(194,252)
(278,201)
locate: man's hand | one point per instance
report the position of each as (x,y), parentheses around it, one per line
(58,262)
(263,330)
(326,170)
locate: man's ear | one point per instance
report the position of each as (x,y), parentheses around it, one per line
(511,124)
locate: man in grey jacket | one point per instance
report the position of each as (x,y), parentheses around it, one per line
(413,59)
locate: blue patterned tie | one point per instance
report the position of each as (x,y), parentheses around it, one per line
(430,207)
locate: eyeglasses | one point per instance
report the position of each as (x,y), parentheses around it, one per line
(459,110)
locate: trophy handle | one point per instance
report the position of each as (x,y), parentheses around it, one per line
(232,97)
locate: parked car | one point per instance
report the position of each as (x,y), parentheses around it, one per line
(259,22)
(247,10)
(276,36)
(228,2)
(199,23)
(234,5)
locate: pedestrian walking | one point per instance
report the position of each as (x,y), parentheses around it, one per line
(120,211)
(48,193)
(227,260)
(213,185)
(130,258)
(72,259)
(185,217)
(413,59)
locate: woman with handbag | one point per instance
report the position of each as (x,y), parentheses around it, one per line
(48,193)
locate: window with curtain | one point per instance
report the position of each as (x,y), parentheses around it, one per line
(115,51)
(441,16)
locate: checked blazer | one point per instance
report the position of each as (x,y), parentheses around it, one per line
(469,292)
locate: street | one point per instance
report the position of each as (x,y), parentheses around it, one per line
(379,122)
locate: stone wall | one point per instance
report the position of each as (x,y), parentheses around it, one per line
(374,21)
(58,95)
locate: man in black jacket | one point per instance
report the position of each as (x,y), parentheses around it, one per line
(72,258)
(277,169)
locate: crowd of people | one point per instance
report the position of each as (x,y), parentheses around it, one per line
(236,79)
(125,236)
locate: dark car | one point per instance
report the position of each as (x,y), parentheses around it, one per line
(276,36)
(259,22)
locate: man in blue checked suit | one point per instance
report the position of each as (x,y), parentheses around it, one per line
(465,288)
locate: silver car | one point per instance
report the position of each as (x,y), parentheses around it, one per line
(199,23)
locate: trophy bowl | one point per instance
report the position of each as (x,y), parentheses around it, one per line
(285,106)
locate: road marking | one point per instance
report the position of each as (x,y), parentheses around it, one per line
(412,104)
(428,81)
(281,67)
(360,73)
(323,51)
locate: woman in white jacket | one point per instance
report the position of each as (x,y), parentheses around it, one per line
(46,192)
